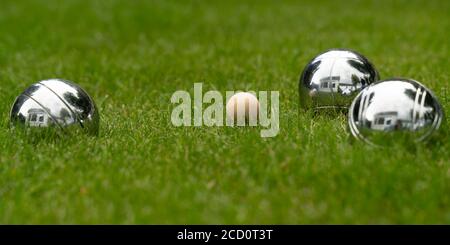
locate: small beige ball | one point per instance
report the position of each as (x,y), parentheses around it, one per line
(243,109)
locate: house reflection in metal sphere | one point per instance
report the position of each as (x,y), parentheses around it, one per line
(334,78)
(55,103)
(394,108)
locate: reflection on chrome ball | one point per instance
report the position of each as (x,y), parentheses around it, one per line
(394,108)
(55,103)
(334,78)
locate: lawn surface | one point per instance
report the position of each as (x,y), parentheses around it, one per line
(132,55)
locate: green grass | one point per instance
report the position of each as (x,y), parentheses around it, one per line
(132,55)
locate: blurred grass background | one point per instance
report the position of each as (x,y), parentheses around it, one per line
(132,55)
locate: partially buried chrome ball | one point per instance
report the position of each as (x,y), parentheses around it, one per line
(394,109)
(333,79)
(55,103)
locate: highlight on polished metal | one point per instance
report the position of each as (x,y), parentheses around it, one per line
(334,78)
(55,103)
(394,108)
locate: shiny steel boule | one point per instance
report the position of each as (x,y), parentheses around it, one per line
(55,103)
(393,109)
(333,79)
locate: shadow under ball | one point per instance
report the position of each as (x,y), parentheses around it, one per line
(55,103)
(334,78)
(394,109)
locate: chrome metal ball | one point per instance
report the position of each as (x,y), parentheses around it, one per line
(333,79)
(394,108)
(55,103)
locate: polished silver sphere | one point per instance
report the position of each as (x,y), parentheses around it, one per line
(333,79)
(395,108)
(55,103)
